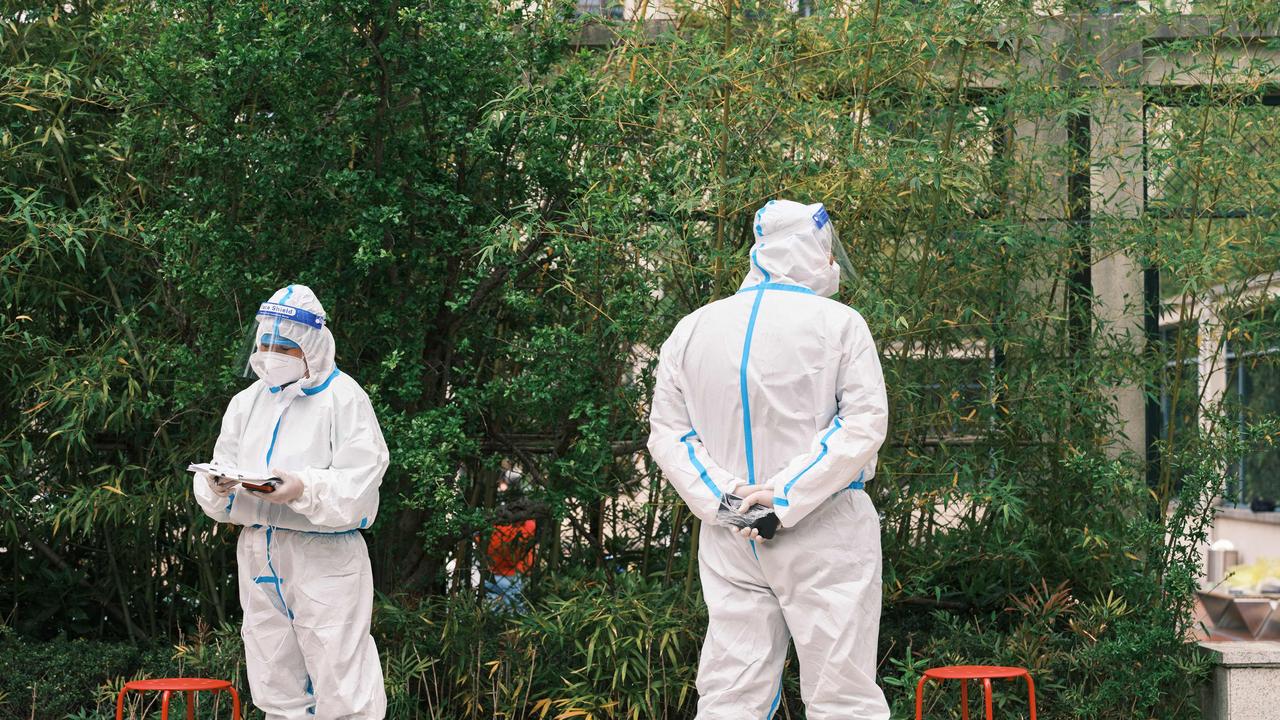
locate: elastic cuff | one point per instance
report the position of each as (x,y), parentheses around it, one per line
(707,513)
(782,508)
(304,503)
(726,483)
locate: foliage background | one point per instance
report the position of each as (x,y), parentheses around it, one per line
(502,224)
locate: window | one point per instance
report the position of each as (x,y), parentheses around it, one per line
(1207,154)
(1179,389)
(606,8)
(978,134)
(1210,157)
(1253,386)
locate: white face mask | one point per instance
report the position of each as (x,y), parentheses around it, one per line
(277,369)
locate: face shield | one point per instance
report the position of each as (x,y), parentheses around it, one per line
(839,256)
(278,332)
(847,274)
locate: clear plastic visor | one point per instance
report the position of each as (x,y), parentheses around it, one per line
(276,328)
(847,274)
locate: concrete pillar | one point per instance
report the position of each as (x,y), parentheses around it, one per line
(1116,184)
(1246,680)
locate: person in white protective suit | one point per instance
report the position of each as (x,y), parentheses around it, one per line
(776,395)
(305,582)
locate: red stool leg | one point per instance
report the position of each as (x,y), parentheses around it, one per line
(964,698)
(986,690)
(1031,695)
(120,703)
(920,699)
(191,708)
(235,704)
(164,706)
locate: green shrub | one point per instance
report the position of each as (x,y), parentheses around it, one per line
(597,644)
(53,679)
(611,645)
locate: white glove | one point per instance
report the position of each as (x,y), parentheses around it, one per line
(744,488)
(761,495)
(289,489)
(218,485)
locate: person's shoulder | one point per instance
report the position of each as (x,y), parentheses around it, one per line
(247,394)
(345,385)
(339,390)
(731,305)
(348,398)
(851,314)
(711,313)
(841,310)
(686,324)
(692,318)
(842,318)
(819,306)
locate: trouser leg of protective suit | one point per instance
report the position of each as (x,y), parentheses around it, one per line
(276,669)
(327,586)
(740,670)
(826,571)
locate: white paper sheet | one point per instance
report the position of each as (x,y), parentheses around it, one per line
(230,473)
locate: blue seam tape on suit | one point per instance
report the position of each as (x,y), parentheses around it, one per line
(778,286)
(742,385)
(777,698)
(275,576)
(321,387)
(697,465)
(786,489)
(274,434)
(288,292)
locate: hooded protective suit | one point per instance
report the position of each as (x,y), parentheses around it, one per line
(305,582)
(781,385)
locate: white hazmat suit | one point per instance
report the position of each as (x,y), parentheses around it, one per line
(782,386)
(305,582)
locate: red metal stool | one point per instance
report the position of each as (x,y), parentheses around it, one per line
(965,673)
(188,686)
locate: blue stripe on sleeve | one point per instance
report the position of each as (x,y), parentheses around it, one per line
(697,464)
(816,460)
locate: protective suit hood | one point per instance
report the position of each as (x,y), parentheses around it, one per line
(793,247)
(316,342)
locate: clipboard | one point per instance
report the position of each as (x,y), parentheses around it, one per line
(256,482)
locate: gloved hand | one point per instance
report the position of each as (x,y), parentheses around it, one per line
(761,495)
(743,488)
(220,486)
(289,489)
